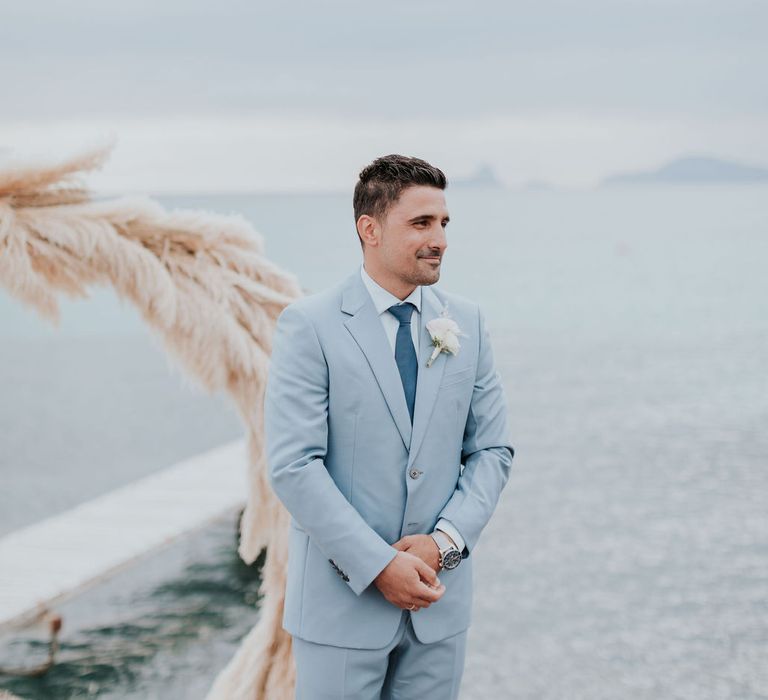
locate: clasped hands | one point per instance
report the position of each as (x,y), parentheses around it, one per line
(410,580)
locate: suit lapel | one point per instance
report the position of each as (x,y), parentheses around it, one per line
(365,326)
(429,378)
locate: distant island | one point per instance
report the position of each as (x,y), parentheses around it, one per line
(693,170)
(484,176)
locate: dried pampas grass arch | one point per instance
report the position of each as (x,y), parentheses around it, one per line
(202,283)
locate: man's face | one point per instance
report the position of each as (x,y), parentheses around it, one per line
(412,235)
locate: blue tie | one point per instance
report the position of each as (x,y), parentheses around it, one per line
(405,354)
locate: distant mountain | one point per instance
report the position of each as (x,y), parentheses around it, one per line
(692,170)
(484,176)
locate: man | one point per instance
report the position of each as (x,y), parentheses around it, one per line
(390,461)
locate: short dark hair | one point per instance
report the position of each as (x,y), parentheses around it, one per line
(382,182)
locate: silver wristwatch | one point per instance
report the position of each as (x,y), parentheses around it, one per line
(450,556)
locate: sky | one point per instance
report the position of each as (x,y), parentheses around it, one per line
(252,96)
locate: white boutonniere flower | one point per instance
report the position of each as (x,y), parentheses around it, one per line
(445,334)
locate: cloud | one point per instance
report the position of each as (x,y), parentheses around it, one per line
(298,94)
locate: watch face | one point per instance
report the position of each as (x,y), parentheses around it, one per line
(451,559)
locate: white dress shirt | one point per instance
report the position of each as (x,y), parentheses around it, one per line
(382,300)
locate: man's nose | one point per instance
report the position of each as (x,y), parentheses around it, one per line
(438,239)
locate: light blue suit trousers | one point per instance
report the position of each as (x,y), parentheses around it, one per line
(404,669)
(357,475)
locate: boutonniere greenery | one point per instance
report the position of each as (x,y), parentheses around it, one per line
(445,334)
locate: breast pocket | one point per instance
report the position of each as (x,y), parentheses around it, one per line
(462,375)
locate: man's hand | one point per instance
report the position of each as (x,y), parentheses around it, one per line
(407,581)
(423,546)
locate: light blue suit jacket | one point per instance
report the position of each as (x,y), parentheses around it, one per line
(356,476)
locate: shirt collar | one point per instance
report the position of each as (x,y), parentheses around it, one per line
(382,298)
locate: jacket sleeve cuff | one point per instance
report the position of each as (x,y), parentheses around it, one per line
(448,528)
(360,581)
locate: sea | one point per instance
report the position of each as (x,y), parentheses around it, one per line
(628,555)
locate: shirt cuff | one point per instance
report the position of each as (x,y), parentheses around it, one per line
(451,531)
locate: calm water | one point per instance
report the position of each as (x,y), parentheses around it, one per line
(629,554)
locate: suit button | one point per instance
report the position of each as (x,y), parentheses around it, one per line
(338,570)
(415,473)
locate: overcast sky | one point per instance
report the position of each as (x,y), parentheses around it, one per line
(245,95)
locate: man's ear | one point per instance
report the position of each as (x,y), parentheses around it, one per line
(368,230)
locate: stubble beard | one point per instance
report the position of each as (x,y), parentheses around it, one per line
(421,276)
